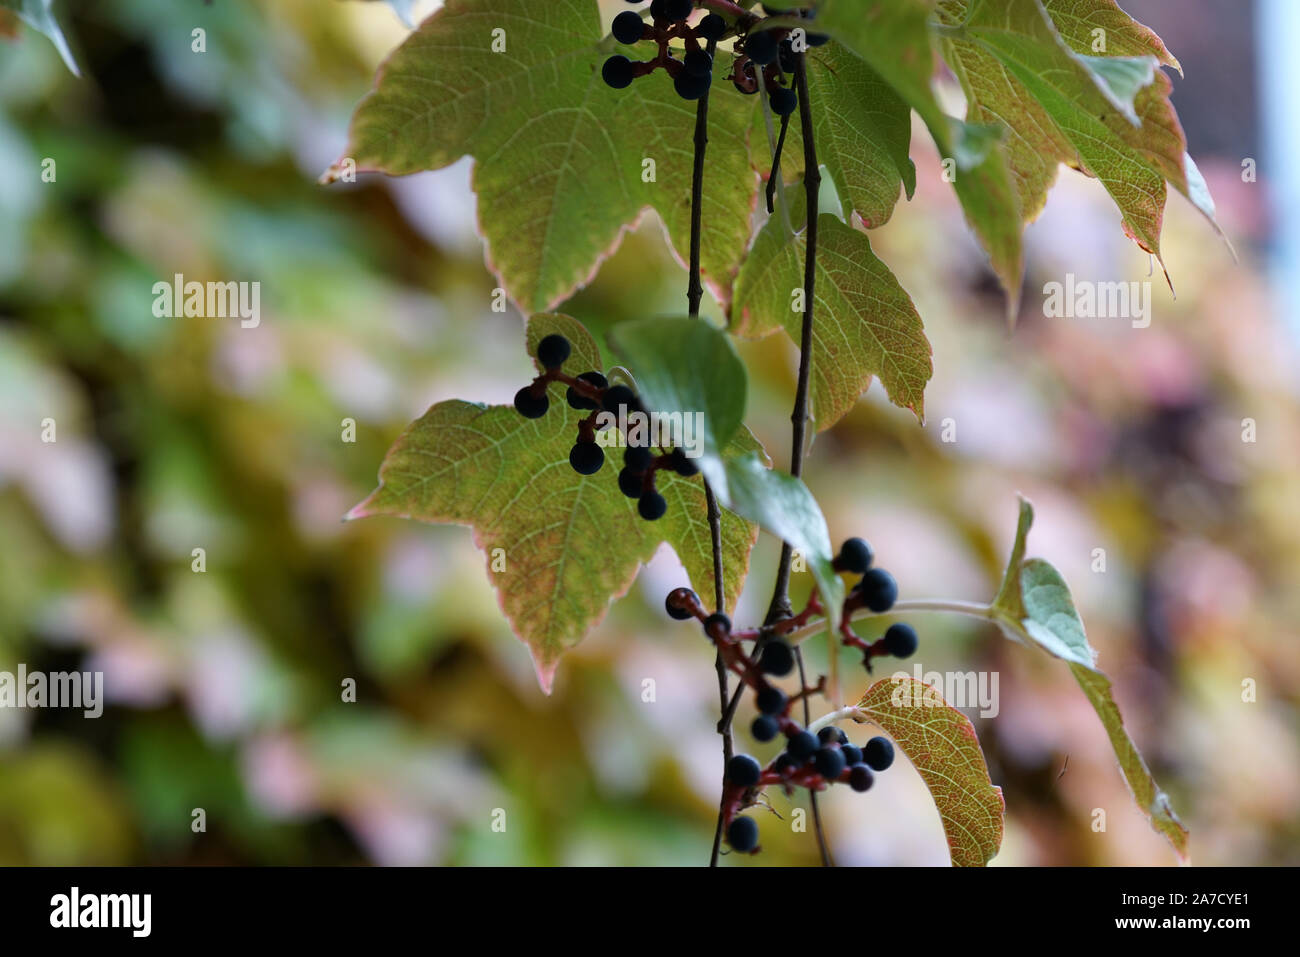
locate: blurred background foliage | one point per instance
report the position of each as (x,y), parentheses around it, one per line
(224,687)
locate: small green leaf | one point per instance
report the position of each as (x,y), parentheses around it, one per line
(560,158)
(568,543)
(863,131)
(686,366)
(864,322)
(38,15)
(1153,802)
(687,369)
(1034,606)
(782,504)
(940,742)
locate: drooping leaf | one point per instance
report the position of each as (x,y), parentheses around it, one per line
(894,40)
(863,132)
(560,158)
(570,543)
(1146,793)
(940,742)
(1034,605)
(38,15)
(1109,116)
(782,504)
(1079,20)
(687,368)
(864,322)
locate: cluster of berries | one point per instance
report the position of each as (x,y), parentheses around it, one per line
(693,73)
(809,761)
(591,392)
(773,53)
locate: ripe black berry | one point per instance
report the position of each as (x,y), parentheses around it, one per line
(828,734)
(651,506)
(771,700)
(764,728)
(531,406)
(616,396)
(637,458)
(628,27)
(900,640)
(852,754)
(717,624)
(678,9)
(878,589)
(829,763)
(784,762)
(698,63)
(783,100)
(617,71)
(682,465)
(878,753)
(578,401)
(678,603)
(742,834)
(587,458)
(631,483)
(712,27)
(762,47)
(691,87)
(802,746)
(816,39)
(777,658)
(743,771)
(553,350)
(861,778)
(659,9)
(855,556)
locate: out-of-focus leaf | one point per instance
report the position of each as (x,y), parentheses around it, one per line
(940,742)
(38,15)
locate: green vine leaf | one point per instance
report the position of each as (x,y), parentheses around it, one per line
(1034,606)
(687,368)
(568,543)
(894,40)
(38,15)
(864,323)
(560,158)
(940,742)
(863,131)
(1109,116)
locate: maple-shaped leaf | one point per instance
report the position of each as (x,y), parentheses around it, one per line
(1034,606)
(559,546)
(563,163)
(940,742)
(1107,115)
(863,131)
(894,39)
(864,322)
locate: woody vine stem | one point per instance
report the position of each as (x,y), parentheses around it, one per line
(779,608)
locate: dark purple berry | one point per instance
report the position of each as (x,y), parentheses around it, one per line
(531,406)
(712,27)
(762,47)
(638,458)
(691,87)
(771,700)
(901,640)
(553,350)
(802,746)
(878,589)
(829,763)
(631,483)
(717,624)
(651,506)
(855,557)
(878,753)
(678,9)
(678,602)
(861,778)
(618,396)
(743,771)
(742,834)
(682,464)
(852,755)
(783,100)
(628,27)
(764,728)
(617,71)
(777,658)
(578,401)
(587,458)
(697,63)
